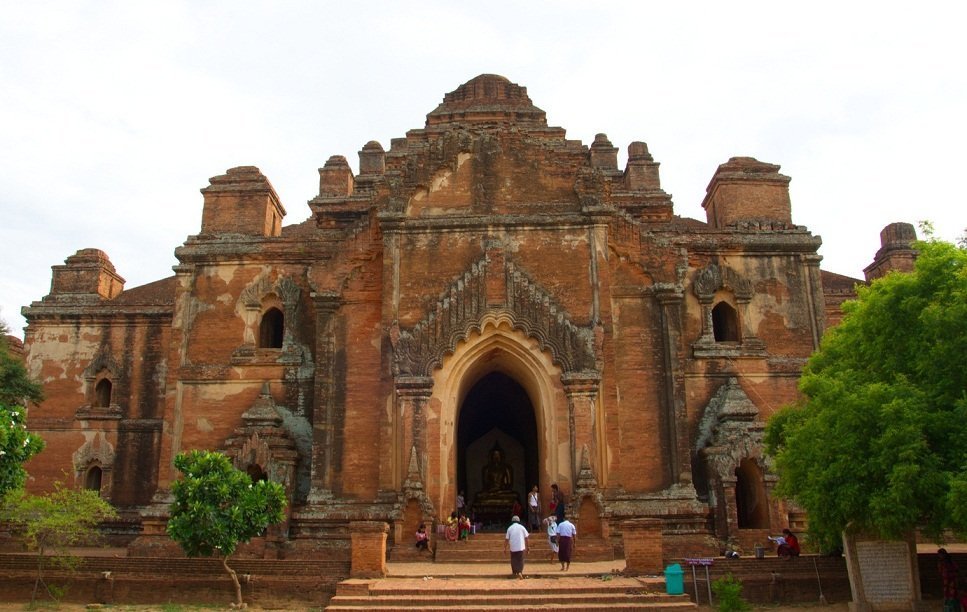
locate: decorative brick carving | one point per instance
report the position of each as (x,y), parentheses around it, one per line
(262,441)
(713,277)
(730,430)
(251,299)
(95,452)
(709,280)
(103,366)
(462,307)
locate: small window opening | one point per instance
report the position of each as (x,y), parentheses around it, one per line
(271,329)
(102,393)
(256,473)
(92,482)
(750,496)
(725,323)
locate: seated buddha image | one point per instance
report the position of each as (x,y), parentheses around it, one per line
(498,480)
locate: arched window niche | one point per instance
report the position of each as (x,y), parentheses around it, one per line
(93,477)
(272,329)
(103,391)
(725,323)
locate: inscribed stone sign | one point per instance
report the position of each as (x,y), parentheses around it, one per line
(885,568)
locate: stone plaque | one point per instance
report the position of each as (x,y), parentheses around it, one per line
(885,570)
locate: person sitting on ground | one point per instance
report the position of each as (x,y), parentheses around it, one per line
(787,545)
(422,538)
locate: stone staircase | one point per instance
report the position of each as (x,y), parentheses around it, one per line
(474,575)
(479,593)
(489,548)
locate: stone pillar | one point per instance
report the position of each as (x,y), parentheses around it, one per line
(729,505)
(581,390)
(817,301)
(369,549)
(742,308)
(777,522)
(676,433)
(644,553)
(413,393)
(708,333)
(324,409)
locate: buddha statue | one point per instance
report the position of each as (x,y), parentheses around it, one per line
(498,481)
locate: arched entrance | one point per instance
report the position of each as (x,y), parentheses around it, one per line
(497,378)
(497,424)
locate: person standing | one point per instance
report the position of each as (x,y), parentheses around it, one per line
(551,522)
(567,535)
(948,580)
(516,540)
(557,503)
(534,509)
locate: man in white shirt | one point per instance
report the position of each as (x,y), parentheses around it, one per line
(567,535)
(516,539)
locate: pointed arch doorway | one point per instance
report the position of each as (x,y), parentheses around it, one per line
(497,420)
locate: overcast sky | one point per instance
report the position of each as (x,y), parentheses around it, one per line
(114,115)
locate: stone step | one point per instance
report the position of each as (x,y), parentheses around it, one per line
(492,593)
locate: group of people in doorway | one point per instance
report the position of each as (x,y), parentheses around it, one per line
(561,533)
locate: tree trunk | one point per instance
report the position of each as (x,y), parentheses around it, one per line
(238,587)
(40,572)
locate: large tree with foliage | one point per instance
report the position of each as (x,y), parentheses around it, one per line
(17,445)
(53,522)
(217,507)
(879,443)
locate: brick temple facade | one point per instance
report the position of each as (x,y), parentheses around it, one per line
(483,284)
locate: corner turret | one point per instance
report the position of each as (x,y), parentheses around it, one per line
(241,201)
(896,251)
(745,189)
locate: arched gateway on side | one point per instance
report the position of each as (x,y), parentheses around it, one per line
(485,290)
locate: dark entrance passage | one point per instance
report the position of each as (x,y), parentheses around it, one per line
(497,442)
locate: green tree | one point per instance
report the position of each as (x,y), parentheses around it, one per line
(17,445)
(217,507)
(54,521)
(879,442)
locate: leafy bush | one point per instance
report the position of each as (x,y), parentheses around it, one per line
(728,591)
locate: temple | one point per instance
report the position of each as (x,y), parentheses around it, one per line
(483,285)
